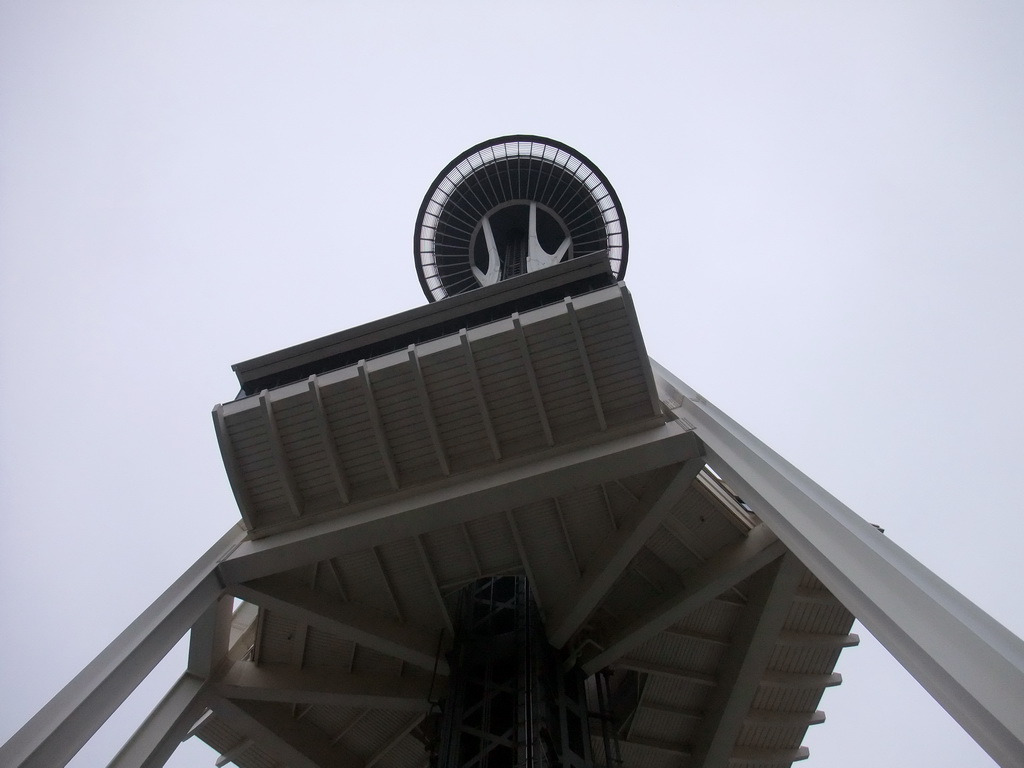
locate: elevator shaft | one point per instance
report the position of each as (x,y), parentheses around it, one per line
(510,702)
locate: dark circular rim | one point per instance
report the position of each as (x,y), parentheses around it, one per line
(435,294)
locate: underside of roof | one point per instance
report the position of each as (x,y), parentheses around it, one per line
(535,445)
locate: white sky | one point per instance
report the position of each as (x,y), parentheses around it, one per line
(824,202)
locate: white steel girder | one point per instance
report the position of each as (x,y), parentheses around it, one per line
(620,546)
(726,569)
(970,664)
(349,621)
(159,735)
(280,682)
(56,733)
(746,662)
(294,742)
(505,487)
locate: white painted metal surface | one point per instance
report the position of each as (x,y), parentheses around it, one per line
(967,661)
(536,445)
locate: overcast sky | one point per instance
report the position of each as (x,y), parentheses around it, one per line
(825,212)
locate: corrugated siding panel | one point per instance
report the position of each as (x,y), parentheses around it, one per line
(511,409)
(662,726)
(771,736)
(779,699)
(829,617)
(670,550)
(560,378)
(616,365)
(630,597)
(656,571)
(276,638)
(222,738)
(218,734)
(673,692)
(411,583)
(401,411)
(493,542)
(374,731)
(705,523)
(680,652)
(331,719)
(326,651)
(507,390)
(547,551)
(808,660)
(407,753)
(365,583)
(300,438)
(456,410)
(449,554)
(716,617)
(636,756)
(371,662)
(587,520)
(326,581)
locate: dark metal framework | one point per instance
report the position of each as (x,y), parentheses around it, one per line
(511,703)
(576,212)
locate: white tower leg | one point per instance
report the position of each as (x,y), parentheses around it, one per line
(56,733)
(968,662)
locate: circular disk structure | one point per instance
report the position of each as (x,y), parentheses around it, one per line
(512,206)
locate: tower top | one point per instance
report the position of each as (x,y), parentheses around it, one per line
(511,206)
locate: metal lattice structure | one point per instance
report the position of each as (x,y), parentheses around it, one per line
(491,532)
(510,702)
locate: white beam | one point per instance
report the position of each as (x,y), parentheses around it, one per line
(435,589)
(327,440)
(449,502)
(472,550)
(58,730)
(478,390)
(387,584)
(349,621)
(701,637)
(338,578)
(234,752)
(294,742)
(588,372)
(744,664)
(566,537)
(727,568)
(666,670)
(531,375)
(970,664)
(284,683)
(641,348)
(383,447)
(208,640)
(769,756)
(159,735)
(428,410)
(284,470)
(239,487)
(521,549)
(299,645)
(618,548)
(392,742)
